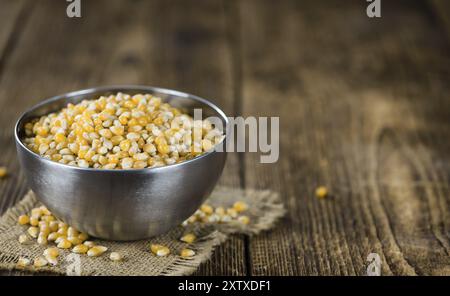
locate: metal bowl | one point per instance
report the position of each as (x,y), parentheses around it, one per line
(122,204)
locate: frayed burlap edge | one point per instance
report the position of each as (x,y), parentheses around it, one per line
(265,210)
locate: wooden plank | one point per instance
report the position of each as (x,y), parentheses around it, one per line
(144,43)
(13,15)
(363,106)
(441,9)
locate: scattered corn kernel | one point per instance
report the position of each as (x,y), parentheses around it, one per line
(64,244)
(52,260)
(80,249)
(24,219)
(321,192)
(23,262)
(34,221)
(53,236)
(33,231)
(186,253)
(52,252)
(40,262)
(240,206)
(207,209)
(23,239)
(96,251)
(3,172)
(163,251)
(90,244)
(115,256)
(244,220)
(42,239)
(188,238)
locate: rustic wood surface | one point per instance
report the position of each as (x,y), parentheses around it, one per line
(363,103)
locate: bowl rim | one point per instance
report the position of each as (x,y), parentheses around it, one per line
(123,88)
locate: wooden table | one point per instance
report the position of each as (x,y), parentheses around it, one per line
(363,103)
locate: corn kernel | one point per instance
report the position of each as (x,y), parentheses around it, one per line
(23,239)
(115,256)
(207,209)
(90,244)
(23,262)
(220,211)
(52,252)
(24,219)
(186,253)
(240,206)
(51,260)
(74,240)
(155,247)
(96,251)
(33,231)
(34,221)
(53,236)
(321,192)
(244,220)
(80,249)
(83,236)
(188,238)
(64,244)
(72,232)
(42,239)
(40,262)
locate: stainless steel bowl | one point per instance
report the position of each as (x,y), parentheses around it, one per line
(122,204)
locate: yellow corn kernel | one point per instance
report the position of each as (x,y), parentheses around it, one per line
(90,244)
(139,165)
(240,206)
(244,220)
(125,145)
(48,218)
(53,236)
(42,239)
(72,232)
(60,137)
(3,172)
(106,133)
(52,252)
(24,219)
(80,249)
(96,251)
(188,238)
(163,148)
(74,240)
(163,251)
(186,253)
(232,212)
(23,262)
(40,262)
(51,260)
(64,244)
(155,247)
(34,221)
(158,121)
(117,130)
(33,231)
(220,211)
(23,239)
(207,209)
(321,192)
(115,256)
(83,236)
(53,226)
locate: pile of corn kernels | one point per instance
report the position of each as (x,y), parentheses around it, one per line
(120,132)
(45,228)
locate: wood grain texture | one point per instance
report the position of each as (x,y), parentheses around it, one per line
(364,110)
(363,103)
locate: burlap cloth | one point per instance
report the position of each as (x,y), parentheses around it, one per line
(264,210)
